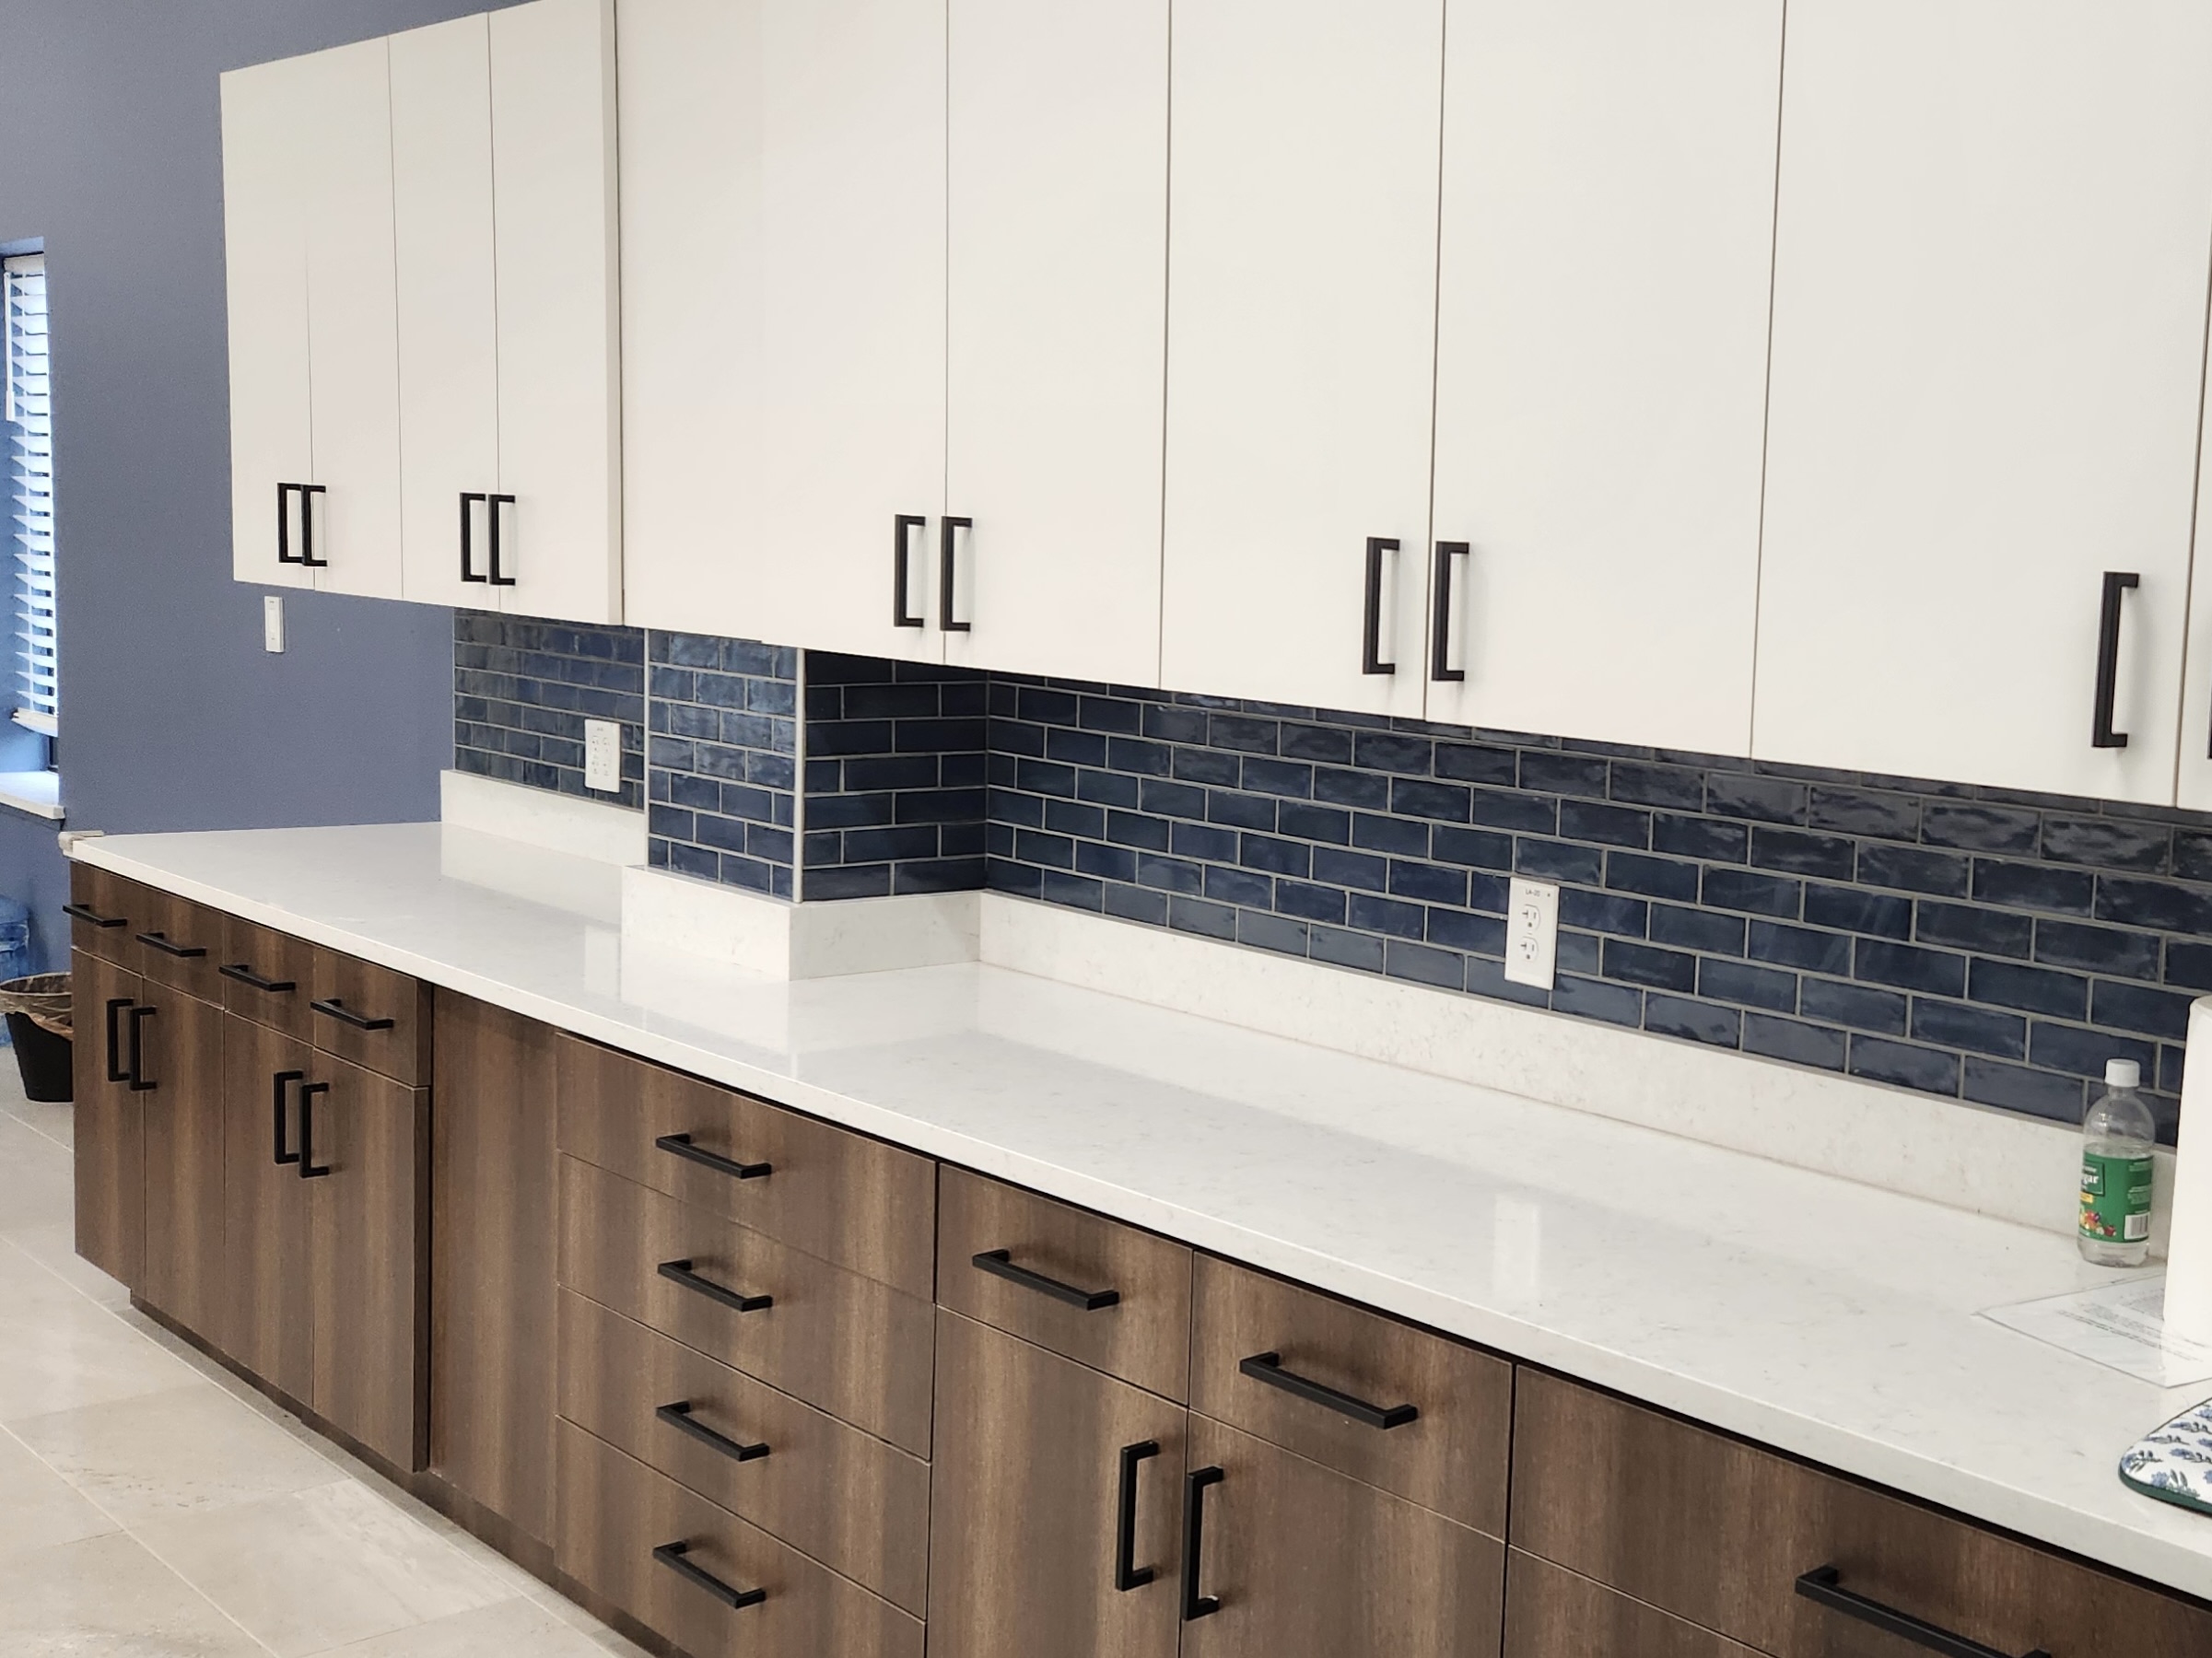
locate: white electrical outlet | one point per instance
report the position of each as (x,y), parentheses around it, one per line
(272,623)
(1532,933)
(603,756)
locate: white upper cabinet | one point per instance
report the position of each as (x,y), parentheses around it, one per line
(1989,334)
(1302,302)
(1058,169)
(783,238)
(1601,360)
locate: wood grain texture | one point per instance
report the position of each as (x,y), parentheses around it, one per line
(491,1241)
(1717,1533)
(855,1348)
(1023,1514)
(183,925)
(113,898)
(853,1202)
(1309,1564)
(857,1504)
(401,1052)
(369,1255)
(1452,1458)
(268,1323)
(186,1274)
(1551,1613)
(1143,1338)
(282,960)
(614,1511)
(109,1126)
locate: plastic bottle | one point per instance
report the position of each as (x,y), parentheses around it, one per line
(2117,1137)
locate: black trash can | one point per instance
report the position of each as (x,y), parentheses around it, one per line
(38,1024)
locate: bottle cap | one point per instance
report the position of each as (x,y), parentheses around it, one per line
(2123,1073)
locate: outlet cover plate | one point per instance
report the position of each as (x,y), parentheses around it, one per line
(1532,933)
(603,756)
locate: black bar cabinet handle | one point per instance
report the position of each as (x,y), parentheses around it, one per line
(243,972)
(168,946)
(1197,1605)
(1440,654)
(999,1263)
(1824,1587)
(308,491)
(680,1272)
(678,1416)
(901,525)
(116,1073)
(345,1015)
(309,1168)
(1128,1574)
(2116,583)
(671,1554)
(138,1016)
(469,498)
(283,524)
(491,511)
(947,529)
(679,1144)
(1268,1368)
(1371,630)
(283,1079)
(92,917)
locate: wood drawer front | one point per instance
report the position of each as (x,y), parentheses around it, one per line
(107,912)
(1143,1336)
(1551,1613)
(399,1049)
(857,1348)
(849,1500)
(613,1511)
(1452,1457)
(180,944)
(853,1202)
(1718,1533)
(268,977)
(1309,1564)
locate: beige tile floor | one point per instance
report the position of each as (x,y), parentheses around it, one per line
(150,1505)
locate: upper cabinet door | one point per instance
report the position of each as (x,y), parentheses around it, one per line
(783,245)
(1301,299)
(441,167)
(1989,334)
(559,416)
(1058,295)
(265,258)
(1607,246)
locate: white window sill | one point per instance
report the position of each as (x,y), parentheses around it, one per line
(38,793)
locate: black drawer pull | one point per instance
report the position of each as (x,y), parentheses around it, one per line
(1371,625)
(283,1078)
(1128,1574)
(117,1070)
(1824,1587)
(948,585)
(138,1016)
(1197,1605)
(680,1272)
(902,525)
(308,491)
(92,917)
(999,1263)
(168,947)
(309,1168)
(345,1015)
(243,972)
(2116,584)
(678,1416)
(1268,1368)
(671,1554)
(679,1144)
(1440,639)
(470,498)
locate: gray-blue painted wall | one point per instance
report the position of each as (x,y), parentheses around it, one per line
(172,716)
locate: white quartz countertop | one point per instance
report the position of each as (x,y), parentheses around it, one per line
(1829,1319)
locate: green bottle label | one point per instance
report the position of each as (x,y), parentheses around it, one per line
(2115,1199)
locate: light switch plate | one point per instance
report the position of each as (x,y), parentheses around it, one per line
(603,756)
(272,623)
(1532,933)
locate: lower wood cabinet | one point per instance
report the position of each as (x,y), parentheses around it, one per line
(1550,1613)
(110,1118)
(1056,1512)
(181,1056)
(269,1324)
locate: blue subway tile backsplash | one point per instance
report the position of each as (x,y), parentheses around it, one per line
(523,688)
(722,780)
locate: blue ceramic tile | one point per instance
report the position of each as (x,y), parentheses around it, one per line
(1108,863)
(1168,800)
(1800,852)
(1791,1039)
(2193,854)
(1430,884)
(1325,745)
(1013,737)
(2165,905)
(2107,843)
(1697,930)
(1091,748)
(1652,877)
(1766,799)
(1442,802)
(1909,967)
(1291,778)
(1351,868)
(1593,999)
(1977,827)
(2100,948)
(1171,724)
(1965,927)
(1693,1021)
(2083,1053)
(1719,979)
(1854,909)
(1329,825)
(1476,935)
(2036,886)
(1310,902)
(1278,933)
(1675,786)
(1565,773)
(1654,968)
(1603,913)
(1559,860)
(1881,1011)
(1471,763)
(1798,947)
(1479,848)
(1203,840)
(1577,952)
(1387,916)
(1197,916)
(1242,734)
(1052,708)
(1136,904)
(1232,809)
(1755,894)
(1133,829)
(1003,875)
(1169,874)
(1530,814)
(1279,857)
(2123,1007)
(1108,788)
(1110,715)
(1388,751)
(1906,1067)
(1862,811)
(1368,791)
(2017,1088)
(1424,965)
(1701,838)
(854,880)
(1610,826)
(2189,966)
(1074,891)
(1239,887)
(1975,1030)
(1342,949)
(1488,979)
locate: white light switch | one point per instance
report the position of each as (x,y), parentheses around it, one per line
(603,756)
(1532,933)
(272,623)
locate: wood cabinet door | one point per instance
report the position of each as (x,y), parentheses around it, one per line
(364,1140)
(1601,414)
(1305,1563)
(108,1122)
(493,1243)
(1988,349)
(1551,1613)
(186,1273)
(267,1324)
(1034,1454)
(1300,347)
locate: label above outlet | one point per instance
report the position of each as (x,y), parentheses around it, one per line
(603,756)
(1532,933)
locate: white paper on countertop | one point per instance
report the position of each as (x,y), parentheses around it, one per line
(2189,1235)
(2121,1326)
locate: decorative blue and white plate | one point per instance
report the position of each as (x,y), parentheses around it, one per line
(2174,1464)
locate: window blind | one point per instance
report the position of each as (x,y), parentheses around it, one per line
(29,441)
